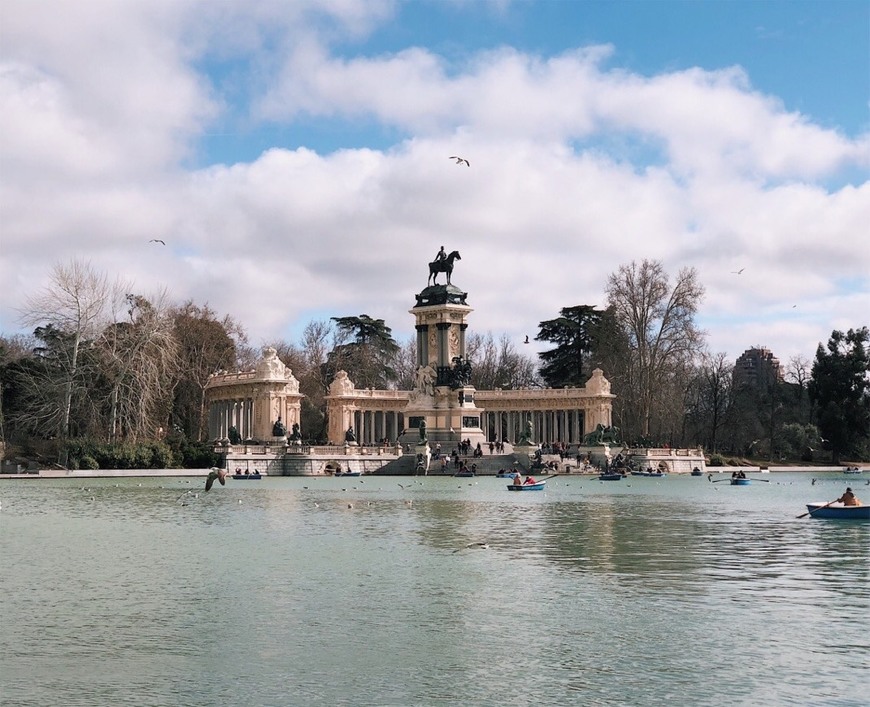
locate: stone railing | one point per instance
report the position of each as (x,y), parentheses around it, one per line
(226,378)
(662,452)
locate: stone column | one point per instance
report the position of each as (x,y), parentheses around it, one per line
(422,344)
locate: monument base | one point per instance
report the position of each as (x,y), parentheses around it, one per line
(598,453)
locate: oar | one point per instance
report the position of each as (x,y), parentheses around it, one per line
(718,480)
(546,478)
(802,515)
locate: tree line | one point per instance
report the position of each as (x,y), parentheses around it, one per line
(112,377)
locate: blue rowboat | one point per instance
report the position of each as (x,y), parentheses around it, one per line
(247,476)
(539,486)
(839,511)
(740,482)
(609,477)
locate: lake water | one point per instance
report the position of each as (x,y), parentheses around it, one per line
(645,591)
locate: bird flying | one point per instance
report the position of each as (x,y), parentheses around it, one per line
(738,272)
(219,474)
(460,160)
(157,240)
(527,339)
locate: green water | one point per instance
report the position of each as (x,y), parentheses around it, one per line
(275,592)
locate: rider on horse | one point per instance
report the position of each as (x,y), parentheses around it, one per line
(443,263)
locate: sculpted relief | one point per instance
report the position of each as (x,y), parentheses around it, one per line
(342,385)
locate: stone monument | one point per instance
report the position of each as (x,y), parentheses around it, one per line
(442,402)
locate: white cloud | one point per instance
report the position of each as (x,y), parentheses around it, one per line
(575,170)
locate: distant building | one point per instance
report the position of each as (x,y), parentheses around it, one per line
(756,368)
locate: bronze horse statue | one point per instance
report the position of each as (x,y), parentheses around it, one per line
(445,266)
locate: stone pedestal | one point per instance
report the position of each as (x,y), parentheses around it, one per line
(598,453)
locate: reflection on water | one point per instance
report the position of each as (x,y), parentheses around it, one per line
(371,591)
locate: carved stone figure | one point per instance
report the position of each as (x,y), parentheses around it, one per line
(526,436)
(602,435)
(278,429)
(425,380)
(295,435)
(349,436)
(460,374)
(422,430)
(234,436)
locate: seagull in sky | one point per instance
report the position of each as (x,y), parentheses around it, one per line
(157,240)
(738,272)
(460,160)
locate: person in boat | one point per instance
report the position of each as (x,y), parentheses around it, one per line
(518,479)
(529,480)
(848,499)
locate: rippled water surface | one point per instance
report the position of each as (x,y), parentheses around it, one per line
(361,591)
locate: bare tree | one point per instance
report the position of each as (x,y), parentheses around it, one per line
(711,400)
(205,346)
(658,321)
(799,373)
(498,364)
(140,361)
(406,364)
(74,304)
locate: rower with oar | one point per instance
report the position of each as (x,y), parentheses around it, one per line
(847,499)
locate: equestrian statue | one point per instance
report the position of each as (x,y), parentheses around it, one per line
(442,263)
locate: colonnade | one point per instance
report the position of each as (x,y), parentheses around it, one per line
(238,413)
(548,426)
(373,426)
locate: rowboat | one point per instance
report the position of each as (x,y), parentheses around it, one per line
(465,474)
(740,482)
(348,473)
(839,511)
(609,477)
(697,472)
(852,470)
(255,475)
(538,486)
(649,473)
(506,475)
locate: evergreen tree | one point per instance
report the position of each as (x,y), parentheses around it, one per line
(368,355)
(578,333)
(840,390)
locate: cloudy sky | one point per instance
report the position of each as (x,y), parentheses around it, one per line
(294,156)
